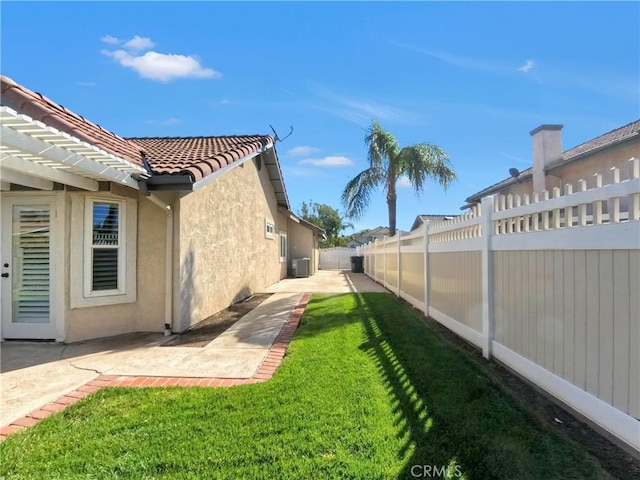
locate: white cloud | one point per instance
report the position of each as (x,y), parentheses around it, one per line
(516,159)
(453,59)
(302,172)
(361,111)
(331,161)
(219,103)
(162,67)
(171,121)
(303,150)
(110,40)
(168,121)
(403,182)
(527,66)
(139,43)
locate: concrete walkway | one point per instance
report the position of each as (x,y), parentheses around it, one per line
(35,374)
(328,281)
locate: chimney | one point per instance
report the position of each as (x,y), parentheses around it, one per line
(547,151)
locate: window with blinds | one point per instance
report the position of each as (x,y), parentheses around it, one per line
(104,251)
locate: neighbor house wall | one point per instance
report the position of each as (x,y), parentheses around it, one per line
(145,252)
(221,254)
(572,172)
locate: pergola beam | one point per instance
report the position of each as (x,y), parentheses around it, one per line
(11,162)
(26,143)
(13,176)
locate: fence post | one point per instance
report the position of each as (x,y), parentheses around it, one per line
(426,267)
(375,260)
(384,261)
(399,234)
(486,212)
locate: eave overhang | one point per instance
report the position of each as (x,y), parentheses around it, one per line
(292,216)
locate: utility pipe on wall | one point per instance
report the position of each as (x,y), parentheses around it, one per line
(168,265)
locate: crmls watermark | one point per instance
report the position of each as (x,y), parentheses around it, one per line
(436,471)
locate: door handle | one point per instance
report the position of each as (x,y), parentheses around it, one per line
(5,275)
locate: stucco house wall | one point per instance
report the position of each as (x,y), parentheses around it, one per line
(304,244)
(222,254)
(217,193)
(145,237)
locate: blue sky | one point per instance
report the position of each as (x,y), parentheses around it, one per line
(474,78)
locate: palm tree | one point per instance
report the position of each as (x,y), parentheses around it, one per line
(387,163)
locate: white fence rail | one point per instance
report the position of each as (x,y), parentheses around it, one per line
(336,258)
(548,284)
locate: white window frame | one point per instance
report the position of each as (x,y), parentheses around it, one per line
(283,242)
(269,229)
(89,247)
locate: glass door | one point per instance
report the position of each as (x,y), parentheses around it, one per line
(26,269)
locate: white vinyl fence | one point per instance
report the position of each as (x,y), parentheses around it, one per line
(336,258)
(549,285)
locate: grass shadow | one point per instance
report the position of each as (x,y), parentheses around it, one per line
(454,418)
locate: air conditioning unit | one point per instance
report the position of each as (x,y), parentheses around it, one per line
(301,267)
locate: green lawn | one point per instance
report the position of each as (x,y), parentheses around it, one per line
(367,390)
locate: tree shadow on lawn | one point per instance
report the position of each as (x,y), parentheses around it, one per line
(453,415)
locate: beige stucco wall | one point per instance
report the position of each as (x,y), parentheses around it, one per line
(303,243)
(221,253)
(145,250)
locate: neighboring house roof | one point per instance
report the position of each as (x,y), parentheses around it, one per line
(198,156)
(420,219)
(42,109)
(367,235)
(606,140)
(356,242)
(376,231)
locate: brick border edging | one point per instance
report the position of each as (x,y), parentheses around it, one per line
(266,370)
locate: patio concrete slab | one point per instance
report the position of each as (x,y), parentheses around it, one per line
(328,281)
(32,374)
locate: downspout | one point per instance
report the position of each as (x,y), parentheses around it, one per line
(168,265)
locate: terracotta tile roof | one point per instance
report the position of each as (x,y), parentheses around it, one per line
(610,138)
(614,136)
(198,156)
(39,107)
(193,156)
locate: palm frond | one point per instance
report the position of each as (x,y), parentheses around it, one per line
(357,193)
(424,162)
(382,146)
